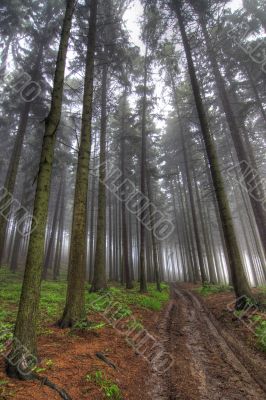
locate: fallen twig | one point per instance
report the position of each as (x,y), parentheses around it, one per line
(102,357)
(51,385)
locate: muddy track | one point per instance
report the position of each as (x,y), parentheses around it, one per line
(209,364)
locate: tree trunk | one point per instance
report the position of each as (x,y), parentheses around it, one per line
(129,284)
(241,287)
(99,277)
(193,211)
(153,239)
(256,92)
(25,328)
(51,241)
(250,176)
(75,300)
(60,238)
(204,233)
(14,162)
(143,281)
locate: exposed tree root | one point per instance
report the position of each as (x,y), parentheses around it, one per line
(102,357)
(45,381)
(13,372)
(65,323)
(245,302)
(98,288)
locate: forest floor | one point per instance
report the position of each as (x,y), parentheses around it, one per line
(217,354)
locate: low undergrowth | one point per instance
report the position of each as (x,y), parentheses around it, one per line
(209,289)
(152,300)
(53,298)
(252,314)
(260,330)
(263,289)
(108,387)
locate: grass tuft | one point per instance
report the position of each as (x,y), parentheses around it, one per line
(209,289)
(109,388)
(260,331)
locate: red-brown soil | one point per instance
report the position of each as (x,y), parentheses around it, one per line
(74,356)
(212,361)
(215,356)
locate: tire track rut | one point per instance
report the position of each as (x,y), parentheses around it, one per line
(208,364)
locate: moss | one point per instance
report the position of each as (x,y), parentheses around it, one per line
(153,300)
(208,289)
(52,302)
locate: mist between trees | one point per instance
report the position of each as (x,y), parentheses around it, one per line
(182,120)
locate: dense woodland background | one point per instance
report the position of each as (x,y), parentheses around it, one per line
(201,162)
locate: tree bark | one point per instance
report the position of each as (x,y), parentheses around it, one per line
(25,327)
(129,284)
(241,287)
(74,310)
(51,241)
(99,276)
(153,238)
(249,175)
(143,279)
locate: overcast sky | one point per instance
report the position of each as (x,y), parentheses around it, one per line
(131,18)
(133,14)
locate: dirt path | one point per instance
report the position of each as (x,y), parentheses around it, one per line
(208,363)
